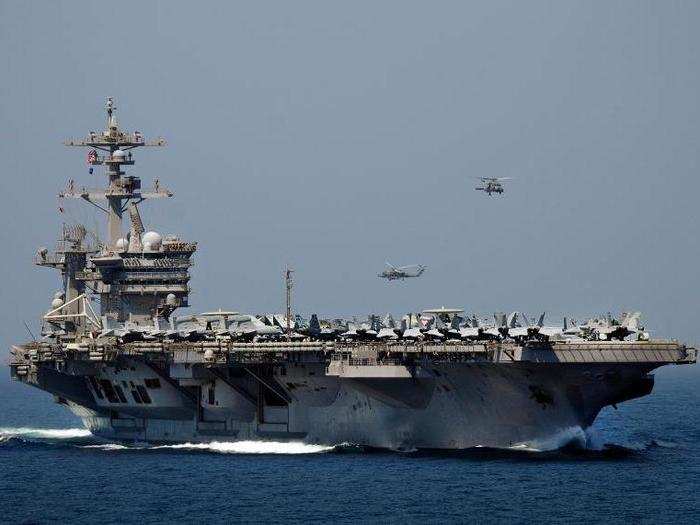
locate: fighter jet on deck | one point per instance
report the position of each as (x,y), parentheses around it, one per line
(393,273)
(608,328)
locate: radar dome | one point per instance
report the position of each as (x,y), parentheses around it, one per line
(121,245)
(171,300)
(119,154)
(151,241)
(56,303)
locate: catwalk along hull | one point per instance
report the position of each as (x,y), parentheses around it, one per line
(442,406)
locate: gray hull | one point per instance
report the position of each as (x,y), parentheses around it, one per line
(446,406)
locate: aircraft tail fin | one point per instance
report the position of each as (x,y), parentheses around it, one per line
(314,325)
(437,323)
(525,320)
(513,320)
(540,321)
(389,321)
(631,321)
(500,319)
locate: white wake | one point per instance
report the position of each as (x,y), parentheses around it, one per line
(250,447)
(556,441)
(44,433)
(108,447)
(221,447)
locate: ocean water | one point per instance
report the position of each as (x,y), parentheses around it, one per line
(639,464)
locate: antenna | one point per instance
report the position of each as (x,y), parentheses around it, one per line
(29,330)
(115,145)
(288,283)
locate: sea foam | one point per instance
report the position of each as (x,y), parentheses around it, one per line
(562,438)
(44,433)
(250,447)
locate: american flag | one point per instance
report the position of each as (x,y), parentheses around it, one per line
(92,156)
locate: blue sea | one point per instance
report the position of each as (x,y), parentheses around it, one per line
(641,464)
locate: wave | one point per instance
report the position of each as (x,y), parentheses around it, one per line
(84,439)
(663,444)
(109,447)
(597,440)
(222,447)
(250,447)
(568,441)
(572,436)
(44,433)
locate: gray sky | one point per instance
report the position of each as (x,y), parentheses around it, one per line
(336,135)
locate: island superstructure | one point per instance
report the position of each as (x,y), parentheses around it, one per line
(113,351)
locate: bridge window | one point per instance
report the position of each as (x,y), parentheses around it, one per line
(109,391)
(95,387)
(273,399)
(212,398)
(120,393)
(152,382)
(136,396)
(144,394)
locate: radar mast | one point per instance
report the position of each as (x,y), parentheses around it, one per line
(121,189)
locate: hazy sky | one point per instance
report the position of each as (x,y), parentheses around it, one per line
(337,135)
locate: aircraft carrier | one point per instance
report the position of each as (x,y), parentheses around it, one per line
(113,351)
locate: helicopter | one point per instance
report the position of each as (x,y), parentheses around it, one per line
(393,273)
(491,184)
